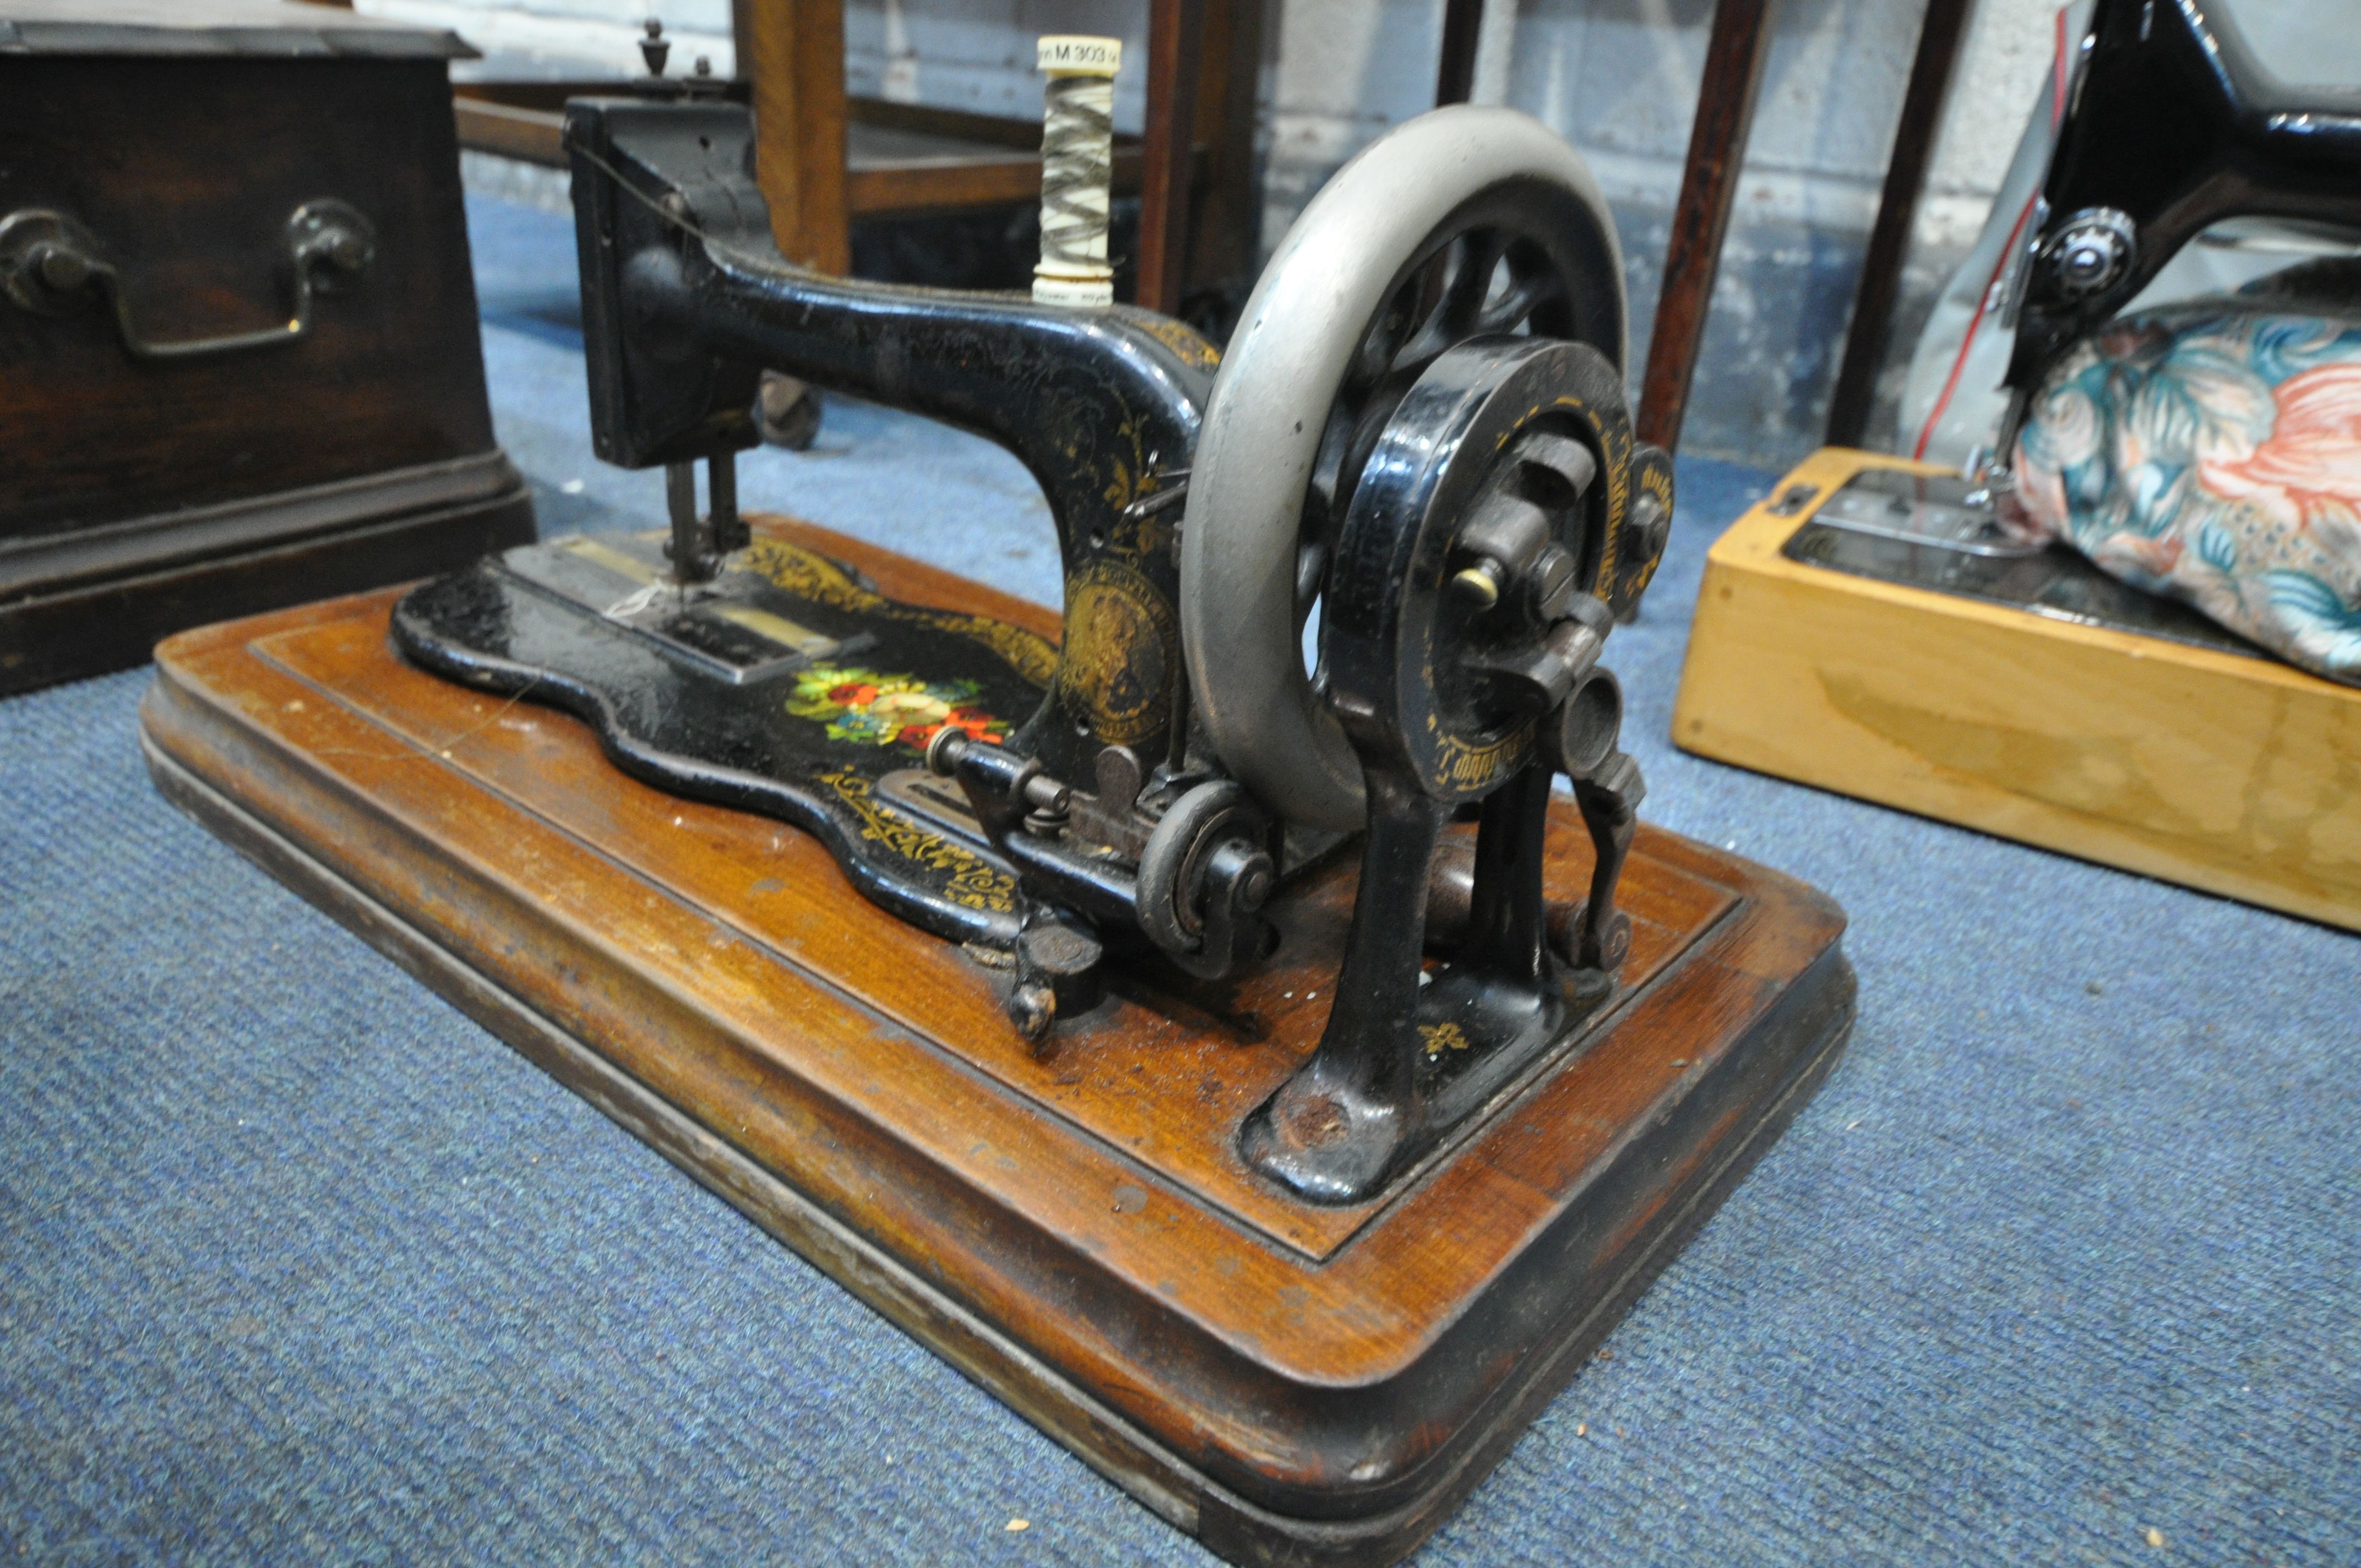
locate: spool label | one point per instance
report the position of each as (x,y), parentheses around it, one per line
(1068,55)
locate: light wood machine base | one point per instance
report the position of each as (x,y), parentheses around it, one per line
(2224,770)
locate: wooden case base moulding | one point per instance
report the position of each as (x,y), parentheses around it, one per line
(2224,770)
(84,604)
(1075,1231)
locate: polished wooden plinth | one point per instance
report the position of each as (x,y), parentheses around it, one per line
(1074,1230)
(2237,774)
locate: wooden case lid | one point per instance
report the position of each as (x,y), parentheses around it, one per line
(273,28)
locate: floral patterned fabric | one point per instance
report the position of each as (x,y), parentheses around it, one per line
(2211,451)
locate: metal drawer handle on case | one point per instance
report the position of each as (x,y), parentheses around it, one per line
(52,265)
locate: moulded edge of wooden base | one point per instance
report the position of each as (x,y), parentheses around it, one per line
(1163,1483)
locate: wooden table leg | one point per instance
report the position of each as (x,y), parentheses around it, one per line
(1897,210)
(1463,31)
(793,52)
(1733,70)
(1176,29)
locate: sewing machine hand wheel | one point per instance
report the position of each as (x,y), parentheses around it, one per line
(1464,222)
(1461,647)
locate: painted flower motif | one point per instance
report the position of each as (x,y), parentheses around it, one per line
(2212,452)
(864,706)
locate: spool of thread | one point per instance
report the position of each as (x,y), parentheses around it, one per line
(1077,170)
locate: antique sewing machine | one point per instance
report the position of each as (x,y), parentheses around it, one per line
(1872,627)
(1255,1073)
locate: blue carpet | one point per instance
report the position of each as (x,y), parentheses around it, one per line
(297,1265)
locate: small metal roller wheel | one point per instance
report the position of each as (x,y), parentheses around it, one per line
(1200,821)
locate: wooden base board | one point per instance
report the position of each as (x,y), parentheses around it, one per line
(1290,1384)
(2236,775)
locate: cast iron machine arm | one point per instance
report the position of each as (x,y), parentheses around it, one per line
(1419,435)
(687,300)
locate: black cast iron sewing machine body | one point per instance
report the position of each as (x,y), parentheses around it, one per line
(1475,516)
(2172,127)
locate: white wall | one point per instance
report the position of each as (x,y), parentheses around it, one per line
(1618,78)
(978,54)
(551,39)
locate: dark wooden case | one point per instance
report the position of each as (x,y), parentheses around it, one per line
(146,495)
(1075,1229)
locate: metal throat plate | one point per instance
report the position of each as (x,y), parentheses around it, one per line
(1940,532)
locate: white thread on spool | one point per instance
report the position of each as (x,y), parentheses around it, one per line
(1077,170)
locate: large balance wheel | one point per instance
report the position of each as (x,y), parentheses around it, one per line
(1464,223)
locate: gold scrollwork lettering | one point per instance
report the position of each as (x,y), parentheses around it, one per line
(1181,339)
(1462,767)
(810,575)
(974,883)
